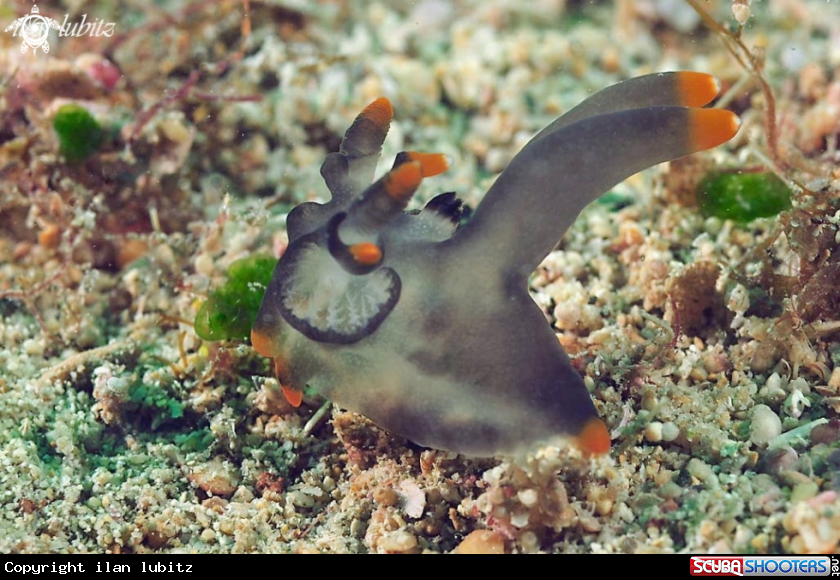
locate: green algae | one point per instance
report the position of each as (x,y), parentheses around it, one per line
(230,310)
(743,197)
(79,135)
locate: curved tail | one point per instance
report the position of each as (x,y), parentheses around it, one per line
(607,138)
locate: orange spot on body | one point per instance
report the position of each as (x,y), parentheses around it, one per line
(263,343)
(402,181)
(696,89)
(594,439)
(430,163)
(380,112)
(268,347)
(709,128)
(366,253)
(294,396)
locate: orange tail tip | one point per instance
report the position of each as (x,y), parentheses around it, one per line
(710,127)
(380,112)
(594,439)
(294,396)
(402,181)
(696,89)
(366,253)
(431,164)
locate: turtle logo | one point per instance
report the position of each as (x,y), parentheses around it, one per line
(34,29)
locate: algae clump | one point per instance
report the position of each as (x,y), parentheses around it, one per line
(230,310)
(742,197)
(79,135)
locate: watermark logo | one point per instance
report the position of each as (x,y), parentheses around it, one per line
(764,566)
(34,29)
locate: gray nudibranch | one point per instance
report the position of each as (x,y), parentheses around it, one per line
(426,327)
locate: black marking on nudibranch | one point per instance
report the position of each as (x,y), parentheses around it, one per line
(321,299)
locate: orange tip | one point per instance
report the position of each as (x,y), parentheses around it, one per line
(380,112)
(366,253)
(403,180)
(294,396)
(263,344)
(696,89)
(710,127)
(430,163)
(593,439)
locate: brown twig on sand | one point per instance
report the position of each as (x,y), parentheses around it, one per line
(85,358)
(186,90)
(753,62)
(143,117)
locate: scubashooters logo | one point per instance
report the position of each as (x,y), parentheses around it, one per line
(34,29)
(798,566)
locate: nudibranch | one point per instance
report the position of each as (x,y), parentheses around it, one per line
(426,326)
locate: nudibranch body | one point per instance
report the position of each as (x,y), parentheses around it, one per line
(427,328)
